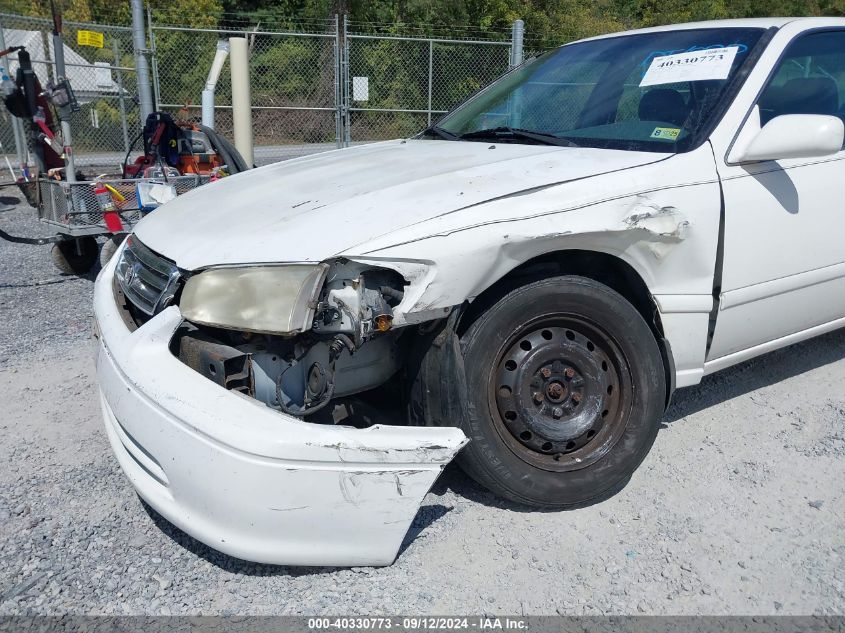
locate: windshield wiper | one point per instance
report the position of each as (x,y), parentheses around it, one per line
(497,133)
(446,135)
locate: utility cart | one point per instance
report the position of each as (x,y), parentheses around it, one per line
(79,212)
(177,157)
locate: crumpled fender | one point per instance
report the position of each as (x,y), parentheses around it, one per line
(248,480)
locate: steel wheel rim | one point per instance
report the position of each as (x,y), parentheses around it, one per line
(560,393)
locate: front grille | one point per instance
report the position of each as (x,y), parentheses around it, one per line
(148,280)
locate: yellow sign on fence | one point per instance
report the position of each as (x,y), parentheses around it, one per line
(89,38)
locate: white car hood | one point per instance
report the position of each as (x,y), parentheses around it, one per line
(316,207)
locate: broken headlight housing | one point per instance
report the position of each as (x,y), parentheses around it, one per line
(277,299)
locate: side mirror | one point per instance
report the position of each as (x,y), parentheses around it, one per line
(792,136)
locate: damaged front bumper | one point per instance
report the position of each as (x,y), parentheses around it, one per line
(247,480)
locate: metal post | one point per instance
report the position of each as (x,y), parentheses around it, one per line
(154,57)
(430,75)
(347,119)
(17,125)
(64,113)
(338,106)
(120,96)
(517,33)
(142,69)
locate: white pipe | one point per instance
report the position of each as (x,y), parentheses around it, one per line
(517,35)
(211,83)
(208,108)
(241,98)
(217,64)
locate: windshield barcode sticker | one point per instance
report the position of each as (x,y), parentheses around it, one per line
(713,63)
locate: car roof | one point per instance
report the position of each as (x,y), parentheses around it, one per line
(760,23)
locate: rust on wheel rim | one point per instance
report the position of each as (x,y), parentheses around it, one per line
(560,393)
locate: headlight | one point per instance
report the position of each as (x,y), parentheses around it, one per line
(278,299)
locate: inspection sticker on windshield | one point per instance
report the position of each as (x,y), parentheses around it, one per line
(666,133)
(712,63)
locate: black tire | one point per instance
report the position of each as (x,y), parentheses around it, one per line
(76,256)
(109,247)
(565,388)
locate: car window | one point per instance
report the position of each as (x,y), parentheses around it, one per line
(810,78)
(564,90)
(647,92)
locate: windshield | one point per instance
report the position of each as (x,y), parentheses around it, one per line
(647,92)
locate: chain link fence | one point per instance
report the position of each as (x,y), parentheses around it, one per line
(401,85)
(293,84)
(310,91)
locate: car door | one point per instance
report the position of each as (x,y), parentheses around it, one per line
(783,274)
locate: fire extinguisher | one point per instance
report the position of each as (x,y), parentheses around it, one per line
(108,207)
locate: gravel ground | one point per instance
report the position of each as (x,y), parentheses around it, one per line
(739,509)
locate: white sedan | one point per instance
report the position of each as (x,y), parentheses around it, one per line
(532,277)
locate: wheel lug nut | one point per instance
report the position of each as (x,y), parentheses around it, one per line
(557,412)
(569,373)
(538,397)
(546,372)
(576,398)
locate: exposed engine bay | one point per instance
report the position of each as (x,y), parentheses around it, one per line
(351,348)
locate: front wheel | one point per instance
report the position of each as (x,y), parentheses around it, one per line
(566,388)
(75,256)
(110,247)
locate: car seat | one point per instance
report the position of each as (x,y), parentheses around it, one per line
(664,105)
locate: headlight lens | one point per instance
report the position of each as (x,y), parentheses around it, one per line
(277,299)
